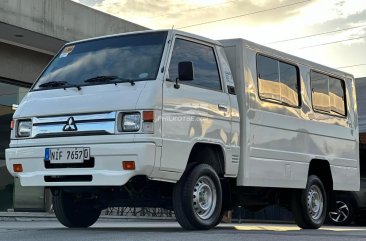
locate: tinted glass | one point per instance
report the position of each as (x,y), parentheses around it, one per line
(337,96)
(6,180)
(362,155)
(289,84)
(268,78)
(131,57)
(9,95)
(206,73)
(320,92)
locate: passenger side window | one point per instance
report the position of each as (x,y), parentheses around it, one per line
(206,73)
(320,92)
(278,81)
(269,85)
(328,94)
(289,84)
(337,96)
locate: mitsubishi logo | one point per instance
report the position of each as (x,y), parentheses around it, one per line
(70,125)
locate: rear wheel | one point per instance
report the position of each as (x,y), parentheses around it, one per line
(344,213)
(197,198)
(72,213)
(309,206)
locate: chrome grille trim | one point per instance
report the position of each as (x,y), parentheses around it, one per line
(80,117)
(87,124)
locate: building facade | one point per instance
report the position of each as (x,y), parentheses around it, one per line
(31,33)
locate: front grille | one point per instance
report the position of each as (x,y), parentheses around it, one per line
(73,178)
(86,164)
(74,125)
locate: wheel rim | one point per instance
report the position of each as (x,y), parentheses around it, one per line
(315,202)
(341,213)
(204,197)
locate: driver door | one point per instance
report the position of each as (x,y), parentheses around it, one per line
(197,111)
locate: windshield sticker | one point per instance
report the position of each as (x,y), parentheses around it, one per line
(143,75)
(66,51)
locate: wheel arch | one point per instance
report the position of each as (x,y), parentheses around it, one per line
(198,151)
(321,168)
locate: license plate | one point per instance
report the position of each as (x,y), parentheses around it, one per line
(67,154)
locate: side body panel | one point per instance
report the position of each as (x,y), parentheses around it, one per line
(278,142)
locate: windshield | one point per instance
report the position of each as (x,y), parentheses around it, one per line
(109,60)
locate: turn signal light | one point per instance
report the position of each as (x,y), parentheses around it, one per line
(128,165)
(148,116)
(18,167)
(12,124)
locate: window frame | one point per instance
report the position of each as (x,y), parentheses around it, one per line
(330,113)
(298,78)
(207,44)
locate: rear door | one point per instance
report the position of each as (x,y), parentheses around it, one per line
(197,111)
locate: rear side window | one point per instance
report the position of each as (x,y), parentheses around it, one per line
(320,92)
(328,94)
(278,81)
(269,77)
(337,96)
(206,73)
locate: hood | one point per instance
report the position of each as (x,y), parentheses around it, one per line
(90,99)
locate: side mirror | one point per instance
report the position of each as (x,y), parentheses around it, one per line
(185,71)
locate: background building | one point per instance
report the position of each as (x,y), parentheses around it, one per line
(31,32)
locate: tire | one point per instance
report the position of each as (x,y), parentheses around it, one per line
(72,214)
(344,214)
(221,217)
(309,206)
(194,212)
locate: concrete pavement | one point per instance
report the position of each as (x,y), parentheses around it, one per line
(122,230)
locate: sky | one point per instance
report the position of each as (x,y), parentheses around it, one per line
(329,32)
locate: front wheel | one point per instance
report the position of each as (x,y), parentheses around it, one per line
(309,206)
(74,213)
(197,198)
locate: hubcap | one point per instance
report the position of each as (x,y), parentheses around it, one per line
(204,197)
(341,213)
(315,203)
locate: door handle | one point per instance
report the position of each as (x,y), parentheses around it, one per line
(222,107)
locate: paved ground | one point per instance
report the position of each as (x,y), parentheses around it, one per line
(140,231)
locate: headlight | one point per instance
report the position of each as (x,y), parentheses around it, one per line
(24,128)
(131,122)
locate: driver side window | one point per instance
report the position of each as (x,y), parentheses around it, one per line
(206,73)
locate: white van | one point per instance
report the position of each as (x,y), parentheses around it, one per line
(170,119)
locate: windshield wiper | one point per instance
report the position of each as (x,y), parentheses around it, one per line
(109,78)
(72,86)
(53,84)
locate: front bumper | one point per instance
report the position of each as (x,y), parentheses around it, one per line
(107,169)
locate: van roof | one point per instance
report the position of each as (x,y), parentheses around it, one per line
(285,56)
